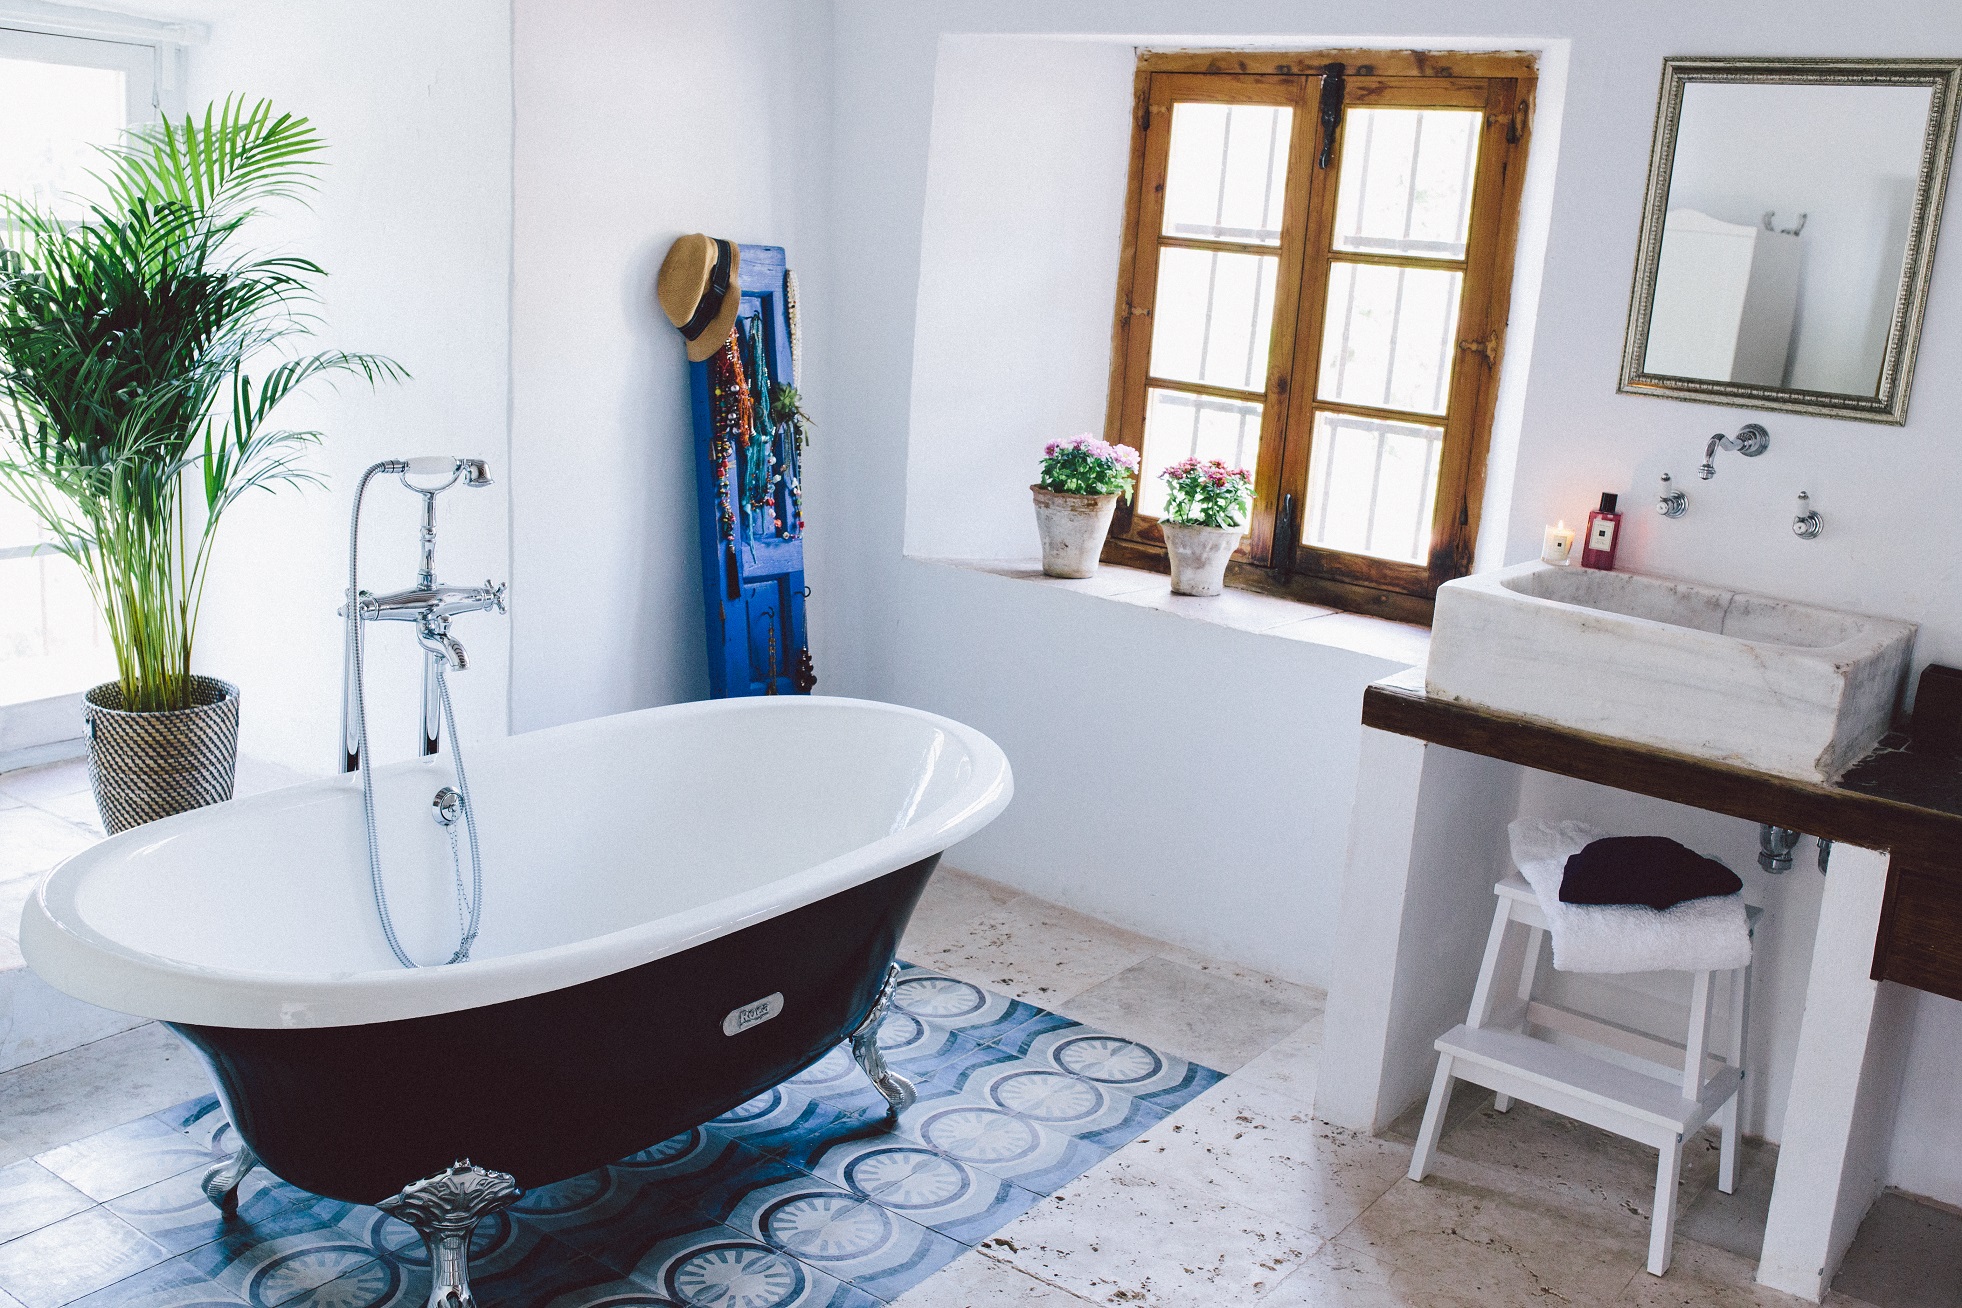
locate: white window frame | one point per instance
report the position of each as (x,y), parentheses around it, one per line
(152,55)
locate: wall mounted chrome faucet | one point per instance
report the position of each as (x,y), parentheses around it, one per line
(1807,524)
(1672,502)
(1751,440)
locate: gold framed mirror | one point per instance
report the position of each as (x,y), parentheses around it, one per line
(1788,232)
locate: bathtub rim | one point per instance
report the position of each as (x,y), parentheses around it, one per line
(87,965)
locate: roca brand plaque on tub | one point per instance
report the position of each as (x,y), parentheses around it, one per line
(749,1015)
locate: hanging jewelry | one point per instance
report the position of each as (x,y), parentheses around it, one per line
(795,325)
(730,415)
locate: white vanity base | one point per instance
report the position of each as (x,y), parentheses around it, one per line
(1428,840)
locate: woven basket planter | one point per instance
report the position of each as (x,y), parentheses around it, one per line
(144,766)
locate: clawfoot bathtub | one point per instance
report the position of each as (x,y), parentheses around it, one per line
(682,907)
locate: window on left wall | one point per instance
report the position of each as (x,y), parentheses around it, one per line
(61,97)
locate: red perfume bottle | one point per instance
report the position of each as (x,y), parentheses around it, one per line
(1603,535)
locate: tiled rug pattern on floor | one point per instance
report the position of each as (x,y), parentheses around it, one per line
(793,1200)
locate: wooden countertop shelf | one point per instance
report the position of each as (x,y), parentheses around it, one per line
(1896,799)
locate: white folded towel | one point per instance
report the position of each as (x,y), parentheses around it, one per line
(1698,935)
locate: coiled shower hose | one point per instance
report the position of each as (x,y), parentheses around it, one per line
(470,907)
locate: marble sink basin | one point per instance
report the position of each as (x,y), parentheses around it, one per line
(1766,683)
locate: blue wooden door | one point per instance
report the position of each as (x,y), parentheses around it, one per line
(752,529)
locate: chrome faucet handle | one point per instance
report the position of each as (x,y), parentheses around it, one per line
(1806,523)
(1671,502)
(495,593)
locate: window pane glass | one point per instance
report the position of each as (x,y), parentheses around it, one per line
(1226,179)
(1371,487)
(51,118)
(1407,181)
(1180,426)
(1213,317)
(1390,336)
(51,641)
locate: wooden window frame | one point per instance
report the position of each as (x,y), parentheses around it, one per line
(1274,561)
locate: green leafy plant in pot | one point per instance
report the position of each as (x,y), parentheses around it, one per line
(143,353)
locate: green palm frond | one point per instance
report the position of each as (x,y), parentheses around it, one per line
(143,349)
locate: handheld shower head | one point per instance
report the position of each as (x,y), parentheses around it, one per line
(471,472)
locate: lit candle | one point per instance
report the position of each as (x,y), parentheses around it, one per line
(1559,543)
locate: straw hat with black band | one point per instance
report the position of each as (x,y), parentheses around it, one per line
(699,291)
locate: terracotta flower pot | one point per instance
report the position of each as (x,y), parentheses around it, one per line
(1073,529)
(1199,556)
(144,766)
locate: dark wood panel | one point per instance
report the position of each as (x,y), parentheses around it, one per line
(1874,815)
(1920,939)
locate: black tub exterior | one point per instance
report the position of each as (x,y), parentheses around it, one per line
(556,1084)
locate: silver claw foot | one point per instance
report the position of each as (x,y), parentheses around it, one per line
(897,1089)
(445,1209)
(221,1180)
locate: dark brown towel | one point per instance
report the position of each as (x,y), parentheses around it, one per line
(1651,870)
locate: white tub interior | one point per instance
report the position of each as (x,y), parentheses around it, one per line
(585,830)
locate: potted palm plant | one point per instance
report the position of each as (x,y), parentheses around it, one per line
(143,352)
(1206,508)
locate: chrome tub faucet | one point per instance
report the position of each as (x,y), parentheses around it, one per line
(429,604)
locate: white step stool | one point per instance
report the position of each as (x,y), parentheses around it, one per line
(1495,1048)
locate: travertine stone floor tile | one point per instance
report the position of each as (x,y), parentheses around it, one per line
(1499,1248)
(47,784)
(1258,1149)
(1702,1277)
(1037,951)
(32,841)
(73,1257)
(1734,1222)
(1344,1278)
(1246,975)
(1116,1237)
(32,1197)
(98,1086)
(1289,1067)
(975,1280)
(1906,1255)
(953,901)
(1208,1015)
(1531,1150)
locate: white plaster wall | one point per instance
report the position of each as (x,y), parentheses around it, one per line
(636,123)
(1035,667)
(412,223)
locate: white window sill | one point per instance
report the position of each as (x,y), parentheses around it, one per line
(1263,615)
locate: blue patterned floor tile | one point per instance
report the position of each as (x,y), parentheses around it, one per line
(175,1213)
(785,1121)
(992,1140)
(295,1250)
(1035,1090)
(32,1197)
(844,1235)
(926,1187)
(981,1016)
(74,1257)
(175,1284)
(807,1196)
(1163,1081)
(110,1164)
(517,1270)
(721,1267)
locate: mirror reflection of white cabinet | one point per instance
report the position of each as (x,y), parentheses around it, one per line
(1726,296)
